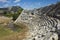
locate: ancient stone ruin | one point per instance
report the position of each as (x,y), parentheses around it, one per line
(42,24)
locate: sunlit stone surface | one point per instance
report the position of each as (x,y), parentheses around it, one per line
(41,27)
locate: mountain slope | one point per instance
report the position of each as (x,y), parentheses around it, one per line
(43,23)
(51,10)
(13,11)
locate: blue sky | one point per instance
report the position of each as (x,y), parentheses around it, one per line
(27,4)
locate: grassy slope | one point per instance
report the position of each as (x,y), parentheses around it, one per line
(8,34)
(5,31)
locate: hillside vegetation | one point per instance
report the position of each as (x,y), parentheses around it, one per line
(41,23)
(9,32)
(7,26)
(13,12)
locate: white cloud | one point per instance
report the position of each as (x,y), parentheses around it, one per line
(3,0)
(17,1)
(6,5)
(16,4)
(31,5)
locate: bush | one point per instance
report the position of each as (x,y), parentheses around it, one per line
(14,15)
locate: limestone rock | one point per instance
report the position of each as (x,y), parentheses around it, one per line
(43,23)
(40,27)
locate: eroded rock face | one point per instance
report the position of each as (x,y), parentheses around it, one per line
(41,27)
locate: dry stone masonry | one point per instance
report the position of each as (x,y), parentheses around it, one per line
(41,26)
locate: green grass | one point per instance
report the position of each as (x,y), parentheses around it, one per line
(4,31)
(8,34)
